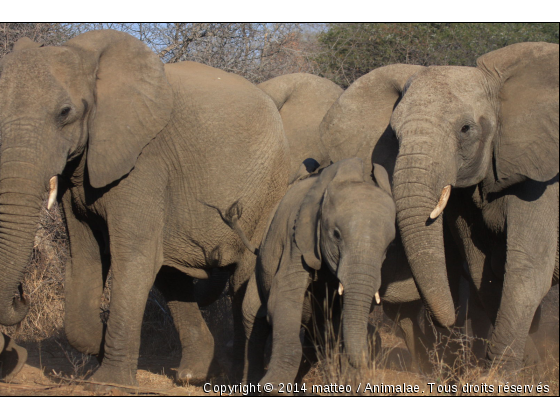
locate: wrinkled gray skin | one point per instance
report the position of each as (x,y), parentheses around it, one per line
(352,127)
(329,230)
(491,132)
(12,358)
(148,158)
(303,100)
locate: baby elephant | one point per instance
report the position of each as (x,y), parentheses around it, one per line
(330,232)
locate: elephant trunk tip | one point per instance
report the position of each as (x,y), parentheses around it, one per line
(443,318)
(15,310)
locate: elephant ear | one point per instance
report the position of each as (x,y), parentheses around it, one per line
(381,178)
(133,101)
(527,143)
(307,226)
(362,114)
(25,44)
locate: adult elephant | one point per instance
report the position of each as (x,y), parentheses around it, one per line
(491,134)
(357,125)
(145,160)
(303,100)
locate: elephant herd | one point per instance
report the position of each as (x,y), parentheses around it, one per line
(294,191)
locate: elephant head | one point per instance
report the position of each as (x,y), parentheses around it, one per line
(460,126)
(345,224)
(103,95)
(303,100)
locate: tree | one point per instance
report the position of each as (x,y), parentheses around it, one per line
(44,33)
(256,51)
(350,50)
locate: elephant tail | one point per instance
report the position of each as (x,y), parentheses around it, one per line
(232,217)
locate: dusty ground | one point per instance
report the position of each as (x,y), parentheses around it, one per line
(54,368)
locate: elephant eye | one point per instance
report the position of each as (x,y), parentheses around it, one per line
(465,128)
(64,113)
(336,233)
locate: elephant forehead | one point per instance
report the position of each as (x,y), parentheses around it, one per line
(354,200)
(39,62)
(37,76)
(444,87)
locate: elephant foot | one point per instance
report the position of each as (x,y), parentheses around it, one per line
(531,356)
(12,359)
(504,364)
(198,373)
(108,378)
(189,376)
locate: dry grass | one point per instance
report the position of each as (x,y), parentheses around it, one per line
(55,368)
(455,369)
(44,281)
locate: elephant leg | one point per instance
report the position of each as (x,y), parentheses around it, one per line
(320,338)
(238,287)
(86,272)
(196,340)
(257,331)
(136,258)
(12,358)
(475,252)
(531,356)
(405,315)
(529,269)
(479,326)
(184,296)
(285,306)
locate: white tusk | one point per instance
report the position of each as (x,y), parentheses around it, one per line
(53,191)
(340,289)
(445,193)
(377,298)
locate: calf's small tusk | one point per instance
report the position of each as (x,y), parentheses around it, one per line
(53,191)
(377,298)
(442,202)
(340,289)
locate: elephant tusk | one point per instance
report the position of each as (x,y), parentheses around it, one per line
(377,298)
(53,191)
(340,289)
(445,193)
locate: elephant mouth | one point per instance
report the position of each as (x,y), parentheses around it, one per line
(341,292)
(20,295)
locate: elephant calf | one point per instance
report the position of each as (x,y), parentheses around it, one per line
(330,232)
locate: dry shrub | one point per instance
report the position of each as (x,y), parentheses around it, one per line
(44,281)
(455,369)
(44,286)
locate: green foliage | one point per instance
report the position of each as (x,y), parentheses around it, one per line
(350,50)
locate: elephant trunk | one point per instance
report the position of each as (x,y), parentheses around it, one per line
(20,206)
(361,280)
(417,196)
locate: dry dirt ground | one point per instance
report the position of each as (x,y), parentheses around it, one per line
(54,368)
